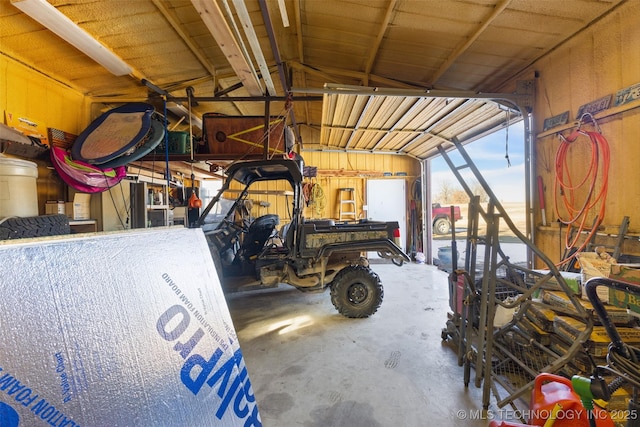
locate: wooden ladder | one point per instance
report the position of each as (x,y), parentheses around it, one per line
(615,249)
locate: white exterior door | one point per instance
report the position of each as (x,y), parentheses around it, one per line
(387,201)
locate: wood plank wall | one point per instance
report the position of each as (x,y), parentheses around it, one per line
(338,170)
(27,93)
(596,63)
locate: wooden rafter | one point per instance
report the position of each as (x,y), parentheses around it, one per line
(214,19)
(373,54)
(464,45)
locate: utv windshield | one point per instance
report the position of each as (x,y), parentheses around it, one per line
(248,173)
(218,213)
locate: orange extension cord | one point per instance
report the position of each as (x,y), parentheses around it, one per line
(578,212)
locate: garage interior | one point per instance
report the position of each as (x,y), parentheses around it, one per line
(364,92)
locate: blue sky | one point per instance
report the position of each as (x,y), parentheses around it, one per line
(488,154)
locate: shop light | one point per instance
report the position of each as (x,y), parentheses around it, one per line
(57,22)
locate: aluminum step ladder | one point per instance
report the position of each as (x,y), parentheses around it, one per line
(347,201)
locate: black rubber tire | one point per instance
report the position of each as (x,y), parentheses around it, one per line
(33,226)
(442,226)
(356,292)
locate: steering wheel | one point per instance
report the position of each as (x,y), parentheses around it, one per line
(236,227)
(227,234)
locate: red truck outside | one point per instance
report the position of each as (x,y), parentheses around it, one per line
(441,216)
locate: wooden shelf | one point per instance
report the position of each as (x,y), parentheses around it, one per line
(603,233)
(266,192)
(598,116)
(83,226)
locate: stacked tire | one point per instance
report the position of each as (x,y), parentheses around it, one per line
(33,226)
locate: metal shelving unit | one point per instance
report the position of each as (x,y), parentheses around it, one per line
(149,205)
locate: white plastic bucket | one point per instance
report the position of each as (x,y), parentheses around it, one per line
(18,187)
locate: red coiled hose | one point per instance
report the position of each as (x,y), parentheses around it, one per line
(579,210)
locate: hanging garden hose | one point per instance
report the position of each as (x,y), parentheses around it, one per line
(577,211)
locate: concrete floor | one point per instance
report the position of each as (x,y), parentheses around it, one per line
(310,366)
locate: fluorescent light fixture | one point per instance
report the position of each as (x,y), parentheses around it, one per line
(182,111)
(57,22)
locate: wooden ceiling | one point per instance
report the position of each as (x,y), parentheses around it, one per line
(397,76)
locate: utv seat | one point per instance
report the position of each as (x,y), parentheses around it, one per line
(260,230)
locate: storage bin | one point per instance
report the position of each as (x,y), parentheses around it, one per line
(178,143)
(18,189)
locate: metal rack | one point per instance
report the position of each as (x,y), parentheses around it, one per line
(506,357)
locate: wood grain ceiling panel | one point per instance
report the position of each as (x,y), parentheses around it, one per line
(476,45)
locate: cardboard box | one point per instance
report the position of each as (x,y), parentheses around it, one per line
(54,207)
(136,332)
(630,301)
(80,207)
(594,265)
(559,299)
(626,272)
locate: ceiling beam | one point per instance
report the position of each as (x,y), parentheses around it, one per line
(183,167)
(252,37)
(462,47)
(185,84)
(177,27)
(299,42)
(392,83)
(329,76)
(300,46)
(214,19)
(376,45)
(318,73)
(268,23)
(338,89)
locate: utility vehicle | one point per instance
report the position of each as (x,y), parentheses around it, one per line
(310,255)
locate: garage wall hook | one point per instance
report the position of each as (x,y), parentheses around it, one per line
(591,119)
(562,137)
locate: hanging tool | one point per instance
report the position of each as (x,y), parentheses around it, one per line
(506,142)
(166,142)
(454,243)
(193,209)
(541,199)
